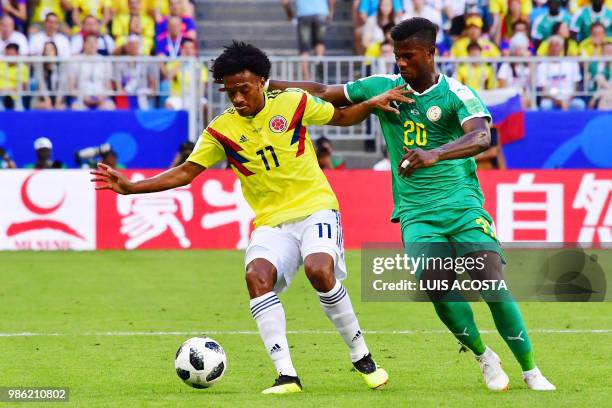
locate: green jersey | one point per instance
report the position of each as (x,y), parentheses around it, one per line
(583,20)
(433,120)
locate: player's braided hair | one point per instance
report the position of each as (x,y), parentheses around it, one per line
(240,56)
(416,27)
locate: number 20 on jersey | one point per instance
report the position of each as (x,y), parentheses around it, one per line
(414,133)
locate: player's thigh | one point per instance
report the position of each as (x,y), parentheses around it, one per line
(425,242)
(473,230)
(321,233)
(278,247)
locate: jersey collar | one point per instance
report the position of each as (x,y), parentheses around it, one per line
(430,88)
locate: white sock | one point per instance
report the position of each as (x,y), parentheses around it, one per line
(533,371)
(338,307)
(269,315)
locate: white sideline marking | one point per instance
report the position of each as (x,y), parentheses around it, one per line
(252,332)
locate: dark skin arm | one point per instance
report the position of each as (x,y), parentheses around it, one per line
(477,139)
(111,179)
(333,94)
(354,114)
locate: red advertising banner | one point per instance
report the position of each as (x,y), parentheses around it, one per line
(541,205)
(58,209)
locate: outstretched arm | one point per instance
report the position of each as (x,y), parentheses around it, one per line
(111,179)
(477,139)
(333,94)
(354,114)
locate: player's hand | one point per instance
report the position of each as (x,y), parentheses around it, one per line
(385,100)
(416,159)
(110,179)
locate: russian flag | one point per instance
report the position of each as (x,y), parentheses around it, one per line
(507,111)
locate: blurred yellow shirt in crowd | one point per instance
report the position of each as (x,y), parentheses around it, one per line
(13,75)
(478,77)
(572,49)
(121,26)
(501,7)
(147,6)
(45,7)
(489,49)
(588,49)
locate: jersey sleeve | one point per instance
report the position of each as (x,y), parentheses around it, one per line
(207,151)
(317,111)
(366,88)
(468,105)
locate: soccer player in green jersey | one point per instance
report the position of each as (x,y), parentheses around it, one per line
(436,193)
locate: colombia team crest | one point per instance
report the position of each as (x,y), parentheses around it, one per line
(278,124)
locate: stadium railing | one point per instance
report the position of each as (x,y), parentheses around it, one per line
(204,102)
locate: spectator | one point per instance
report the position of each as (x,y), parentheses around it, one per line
(123,24)
(111,159)
(17,9)
(372,29)
(518,10)
(462,10)
(543,25)
(600,73)
(99,9)
(477,75)
(557,80)
(325,154)
(8,35)
(517,74)
(170,45)
(188,28)
(181,156)
(136,79)
(5,160)
(593,46)
(51,80)
(44,7)
(519,27)
(91,80)
(313,17)
(44,156)
(362,10)
(179,75)
(420,8)
(135,29)
(91,25)
(584,19)
(492,158)
(473,33)
(50,34)
(570,47)
(14,79)
(383,164)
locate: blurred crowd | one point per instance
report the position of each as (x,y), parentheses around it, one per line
(484,29)
(86,30)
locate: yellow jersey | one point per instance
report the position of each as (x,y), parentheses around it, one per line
(460,48)
(273,156)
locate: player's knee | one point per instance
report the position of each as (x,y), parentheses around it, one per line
(260,278)
(320,271)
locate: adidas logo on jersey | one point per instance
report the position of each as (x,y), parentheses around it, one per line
(243,139)
(358,335)
(276,348)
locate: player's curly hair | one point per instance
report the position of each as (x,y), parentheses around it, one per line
(416,27)
(240,56)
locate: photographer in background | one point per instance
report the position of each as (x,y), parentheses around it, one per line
(185,150)
(44,156)
(5,160)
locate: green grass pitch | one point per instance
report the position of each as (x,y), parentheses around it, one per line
(106,322)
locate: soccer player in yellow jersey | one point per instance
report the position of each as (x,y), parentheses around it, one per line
(264,139)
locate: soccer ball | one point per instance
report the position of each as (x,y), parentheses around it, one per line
(200,362)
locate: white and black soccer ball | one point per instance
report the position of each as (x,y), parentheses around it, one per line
(200,362)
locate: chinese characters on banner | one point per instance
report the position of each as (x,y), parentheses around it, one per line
(59,209)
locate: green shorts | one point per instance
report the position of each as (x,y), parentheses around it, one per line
(463,230)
